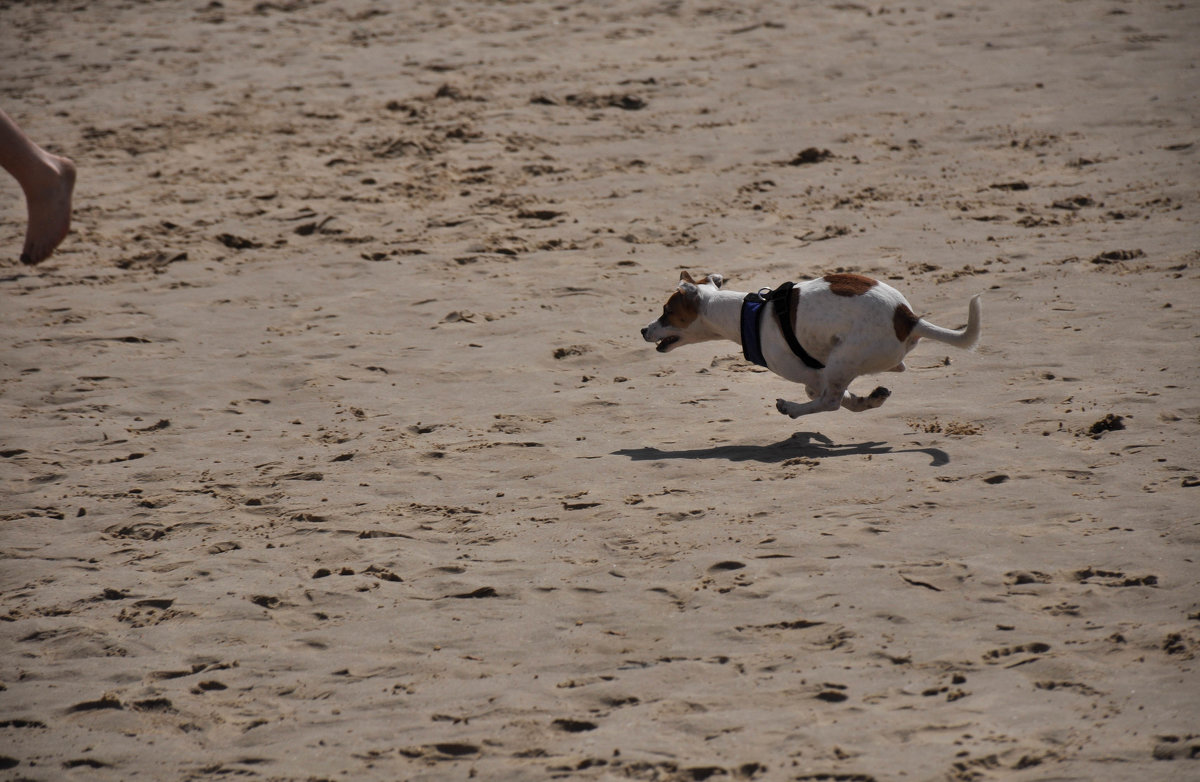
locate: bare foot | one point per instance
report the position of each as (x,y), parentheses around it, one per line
(49,201)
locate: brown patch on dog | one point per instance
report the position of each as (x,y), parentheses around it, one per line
(849,284)
(680,310)
(903,320)
(685,276)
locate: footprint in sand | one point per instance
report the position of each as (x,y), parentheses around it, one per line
(1035,648)
(1112,578)
(141,530)
(104,702)
(574,726)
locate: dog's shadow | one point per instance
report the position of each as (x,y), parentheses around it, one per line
(812,445)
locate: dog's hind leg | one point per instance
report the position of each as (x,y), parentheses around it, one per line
(857,404)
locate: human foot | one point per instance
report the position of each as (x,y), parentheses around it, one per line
(48,197)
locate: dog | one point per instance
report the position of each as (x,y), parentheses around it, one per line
(822,333)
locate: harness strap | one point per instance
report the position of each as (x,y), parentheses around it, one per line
(752,311)
(752,307)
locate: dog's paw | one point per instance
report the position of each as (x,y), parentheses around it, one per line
(877,397)
(785,407)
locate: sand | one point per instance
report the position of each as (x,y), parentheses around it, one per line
(331,449)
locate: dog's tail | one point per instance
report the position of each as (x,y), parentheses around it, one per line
(965,338)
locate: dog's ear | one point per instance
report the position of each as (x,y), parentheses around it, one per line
(717,280)
(685,277)
(689,290)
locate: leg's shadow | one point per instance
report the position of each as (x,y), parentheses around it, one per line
(809,444)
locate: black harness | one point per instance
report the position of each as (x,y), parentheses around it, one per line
(784,301)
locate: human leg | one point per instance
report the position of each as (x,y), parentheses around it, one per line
(48,182)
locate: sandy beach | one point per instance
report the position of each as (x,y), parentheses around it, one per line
(331,449)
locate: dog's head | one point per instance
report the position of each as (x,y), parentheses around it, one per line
(680,321)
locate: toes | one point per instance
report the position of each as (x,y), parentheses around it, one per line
(33,255)
(880,393)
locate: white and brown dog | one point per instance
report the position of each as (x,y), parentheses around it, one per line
(842,326)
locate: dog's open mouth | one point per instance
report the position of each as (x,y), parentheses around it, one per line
(665,343)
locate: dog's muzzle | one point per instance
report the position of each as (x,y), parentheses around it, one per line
(666,343)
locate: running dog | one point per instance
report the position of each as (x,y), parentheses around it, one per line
(822,333)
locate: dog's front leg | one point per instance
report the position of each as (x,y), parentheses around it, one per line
(829,397)
(796,409)
(822,400)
